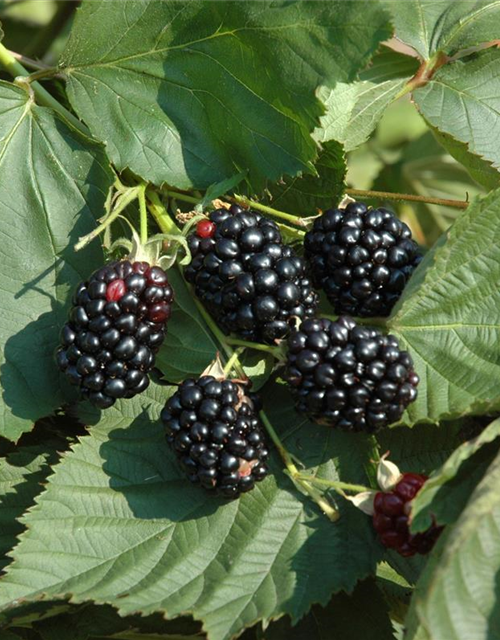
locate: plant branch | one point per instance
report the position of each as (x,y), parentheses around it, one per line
(337,485)
(299,479)
(28,62)
(386,195)
(19,73)
(143,212)
(125,199)
(42,42)
(276,352)
(295,220)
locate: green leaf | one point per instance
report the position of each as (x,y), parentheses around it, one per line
(445,25)
(435,499)
(132,531)
(191,93)
(220,188)
(306,194)
(482,171)
(340,619)
(21,477)
(353,110)
(447,318)
(189,346)
(53,183)
(457,596)
(462,101)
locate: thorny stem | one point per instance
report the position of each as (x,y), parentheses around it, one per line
(387,195)
(19,73)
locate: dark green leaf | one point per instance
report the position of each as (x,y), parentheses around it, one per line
(132,531)
(53,183)
(340,619)
(191,93)
(305,195)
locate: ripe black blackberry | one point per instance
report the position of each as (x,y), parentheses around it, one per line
(216,433)
(349,376)
(116,325)
(361,257)
(390,518)
(251,283)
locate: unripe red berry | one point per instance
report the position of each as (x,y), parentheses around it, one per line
(205,229)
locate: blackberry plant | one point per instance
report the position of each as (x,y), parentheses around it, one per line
(216,132)
(253,284)
(361,257)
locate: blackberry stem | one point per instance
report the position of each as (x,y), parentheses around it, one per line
(337,485)
(295,220)
(295,475)
(387,195)
(125,199)
(232,362)
(143,213)
(276,352)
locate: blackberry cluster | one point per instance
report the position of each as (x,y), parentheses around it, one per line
(362,258)
(390,518)
(215,431)
(251,283)
(115,327)
(349,376)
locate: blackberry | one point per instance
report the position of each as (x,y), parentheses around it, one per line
(349,376)
(250,282)
(361,257)
(216,433)
(390,518)
(116,325)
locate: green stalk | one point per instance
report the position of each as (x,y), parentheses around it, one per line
(18,72)
(387,195)
(337,485)
(129,196)
(143,213)
(295,220)
(276,352)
